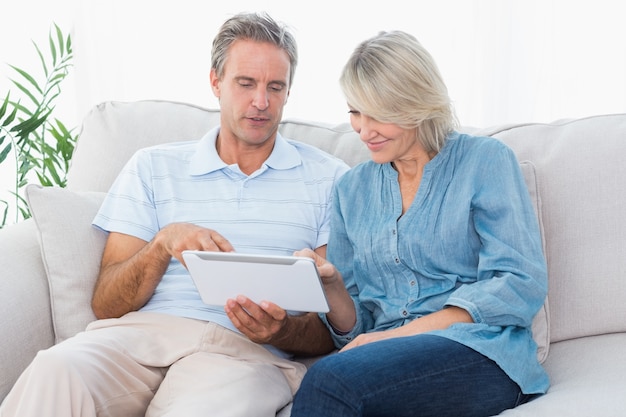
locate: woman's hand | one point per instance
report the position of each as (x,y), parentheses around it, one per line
(438,320)
(327,271)
(342,314)
(365,338)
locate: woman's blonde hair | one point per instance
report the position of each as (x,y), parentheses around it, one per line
(393,79)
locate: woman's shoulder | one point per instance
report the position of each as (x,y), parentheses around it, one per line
(362,173)
(467,146)
(365,168)
(478,142)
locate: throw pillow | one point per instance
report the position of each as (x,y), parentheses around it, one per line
(541,322)
(71,249)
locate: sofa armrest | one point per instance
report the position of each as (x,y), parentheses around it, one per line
(25,318)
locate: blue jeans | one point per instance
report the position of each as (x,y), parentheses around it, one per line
(415,376)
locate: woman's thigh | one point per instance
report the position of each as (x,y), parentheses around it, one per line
(421,375)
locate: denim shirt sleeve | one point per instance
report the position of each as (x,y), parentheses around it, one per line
(341,254)
(511,283)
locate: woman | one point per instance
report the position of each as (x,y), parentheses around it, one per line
(435,267)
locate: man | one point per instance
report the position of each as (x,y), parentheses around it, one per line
(157,349)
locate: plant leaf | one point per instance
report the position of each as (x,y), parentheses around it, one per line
(32,123)
(26,76)
(27,92)
(5,152)
(9,119)
(53,49)
(59,39)
(5,104)
(41,59)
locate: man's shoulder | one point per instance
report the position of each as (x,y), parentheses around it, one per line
(312,154)
(170,150)
(183,145)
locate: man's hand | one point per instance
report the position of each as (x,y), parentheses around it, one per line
(177,237)
(131,268)
(260,323)
(267,323)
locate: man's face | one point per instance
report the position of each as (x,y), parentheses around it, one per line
(252,92)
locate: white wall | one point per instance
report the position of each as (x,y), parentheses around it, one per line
(503,60)
(22,23)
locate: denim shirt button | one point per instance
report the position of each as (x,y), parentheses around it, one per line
(405,313)
(397,260)
(413,283)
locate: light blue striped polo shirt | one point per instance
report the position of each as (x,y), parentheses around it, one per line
(280,208)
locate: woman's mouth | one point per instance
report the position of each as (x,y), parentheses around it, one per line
(377,145)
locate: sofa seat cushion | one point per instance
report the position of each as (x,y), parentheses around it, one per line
(71,250)
(587,379)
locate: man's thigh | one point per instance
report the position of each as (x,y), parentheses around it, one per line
(211,384)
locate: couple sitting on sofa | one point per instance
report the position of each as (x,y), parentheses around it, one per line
(431,259)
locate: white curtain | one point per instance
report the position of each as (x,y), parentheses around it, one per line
(504,61)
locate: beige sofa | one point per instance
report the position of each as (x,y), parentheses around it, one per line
(575,172)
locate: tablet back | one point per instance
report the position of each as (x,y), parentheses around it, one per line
(288,281)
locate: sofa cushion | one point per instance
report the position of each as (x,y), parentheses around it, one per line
(25,324)
(119,129)
(586,380)
(541,322)
(580,175)
(71,250)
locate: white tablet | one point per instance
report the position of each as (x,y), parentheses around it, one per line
(291,282)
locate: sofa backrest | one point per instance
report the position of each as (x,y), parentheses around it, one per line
(574,170)
(112,131)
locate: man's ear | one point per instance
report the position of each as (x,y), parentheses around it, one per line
(215,83)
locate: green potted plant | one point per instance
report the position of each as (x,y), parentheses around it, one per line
(40,145)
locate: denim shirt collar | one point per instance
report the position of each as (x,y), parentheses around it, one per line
(392,174)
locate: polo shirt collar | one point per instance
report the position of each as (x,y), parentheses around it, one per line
(206,159)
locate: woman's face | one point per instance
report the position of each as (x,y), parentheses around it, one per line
(387,142)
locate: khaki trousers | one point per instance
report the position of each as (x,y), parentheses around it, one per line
(150,364)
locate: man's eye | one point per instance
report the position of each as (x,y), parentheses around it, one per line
(276,88)
(355,112)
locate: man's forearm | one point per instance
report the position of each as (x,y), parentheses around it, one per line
(126,284)
(305,335)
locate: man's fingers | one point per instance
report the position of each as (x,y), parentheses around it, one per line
(221,243)
(259,322)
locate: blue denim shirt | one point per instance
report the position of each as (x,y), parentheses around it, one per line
(469,239)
